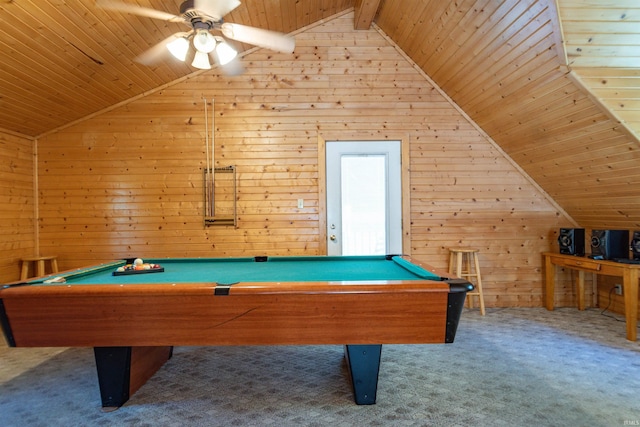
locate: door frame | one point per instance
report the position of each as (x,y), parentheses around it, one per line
(405,185)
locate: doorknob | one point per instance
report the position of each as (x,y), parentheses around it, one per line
(332,237)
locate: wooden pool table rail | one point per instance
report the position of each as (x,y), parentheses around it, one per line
(54,316)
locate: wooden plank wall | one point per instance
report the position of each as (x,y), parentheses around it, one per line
(16,204)
(128,182)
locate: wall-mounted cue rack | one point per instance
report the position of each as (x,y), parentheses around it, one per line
(220,196)
(219,182)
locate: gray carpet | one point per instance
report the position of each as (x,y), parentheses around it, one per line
(513,367)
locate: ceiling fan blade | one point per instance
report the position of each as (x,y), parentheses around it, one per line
(259,37)
(137,10)
(157,52)
(232,68)
(215,9)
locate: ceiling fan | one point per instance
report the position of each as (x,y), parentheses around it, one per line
(208,33)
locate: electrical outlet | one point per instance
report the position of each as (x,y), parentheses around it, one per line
(618,289)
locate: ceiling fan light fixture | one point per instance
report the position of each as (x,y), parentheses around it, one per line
(225,53)
(204,42)
(205,17)
(201,60)
(179,48)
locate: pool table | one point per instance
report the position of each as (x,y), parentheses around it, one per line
(133,319)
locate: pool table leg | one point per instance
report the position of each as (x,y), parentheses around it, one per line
(364,364)
(123,370)
(455,304)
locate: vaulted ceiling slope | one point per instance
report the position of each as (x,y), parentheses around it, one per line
(504,64)
(602,41)
(567,117)
(64,60)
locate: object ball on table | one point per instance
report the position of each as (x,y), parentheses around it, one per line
(137,262)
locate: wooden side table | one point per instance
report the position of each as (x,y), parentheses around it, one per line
(628,272)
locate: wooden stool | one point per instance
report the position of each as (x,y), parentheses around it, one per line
(39,266)
(460,264)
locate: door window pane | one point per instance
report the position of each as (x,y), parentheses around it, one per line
(364,198)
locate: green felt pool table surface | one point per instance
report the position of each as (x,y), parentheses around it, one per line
(248,269)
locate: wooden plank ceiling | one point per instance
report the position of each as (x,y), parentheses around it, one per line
(569,117)
(63,60)
(602,40)
(504,64)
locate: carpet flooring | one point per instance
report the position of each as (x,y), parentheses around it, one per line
(512,367)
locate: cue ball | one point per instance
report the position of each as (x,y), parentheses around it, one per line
(137,262)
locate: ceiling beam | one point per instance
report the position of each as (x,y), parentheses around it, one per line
(365,11)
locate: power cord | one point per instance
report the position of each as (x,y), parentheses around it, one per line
(609,305)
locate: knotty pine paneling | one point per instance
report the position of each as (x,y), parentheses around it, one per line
(601,34)
(618,89)
(17,225)
(504,64)
(128,182)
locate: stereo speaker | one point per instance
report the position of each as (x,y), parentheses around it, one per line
(571,241)
(609,244)
(635,245)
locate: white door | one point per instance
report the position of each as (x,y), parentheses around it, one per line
(364,198)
